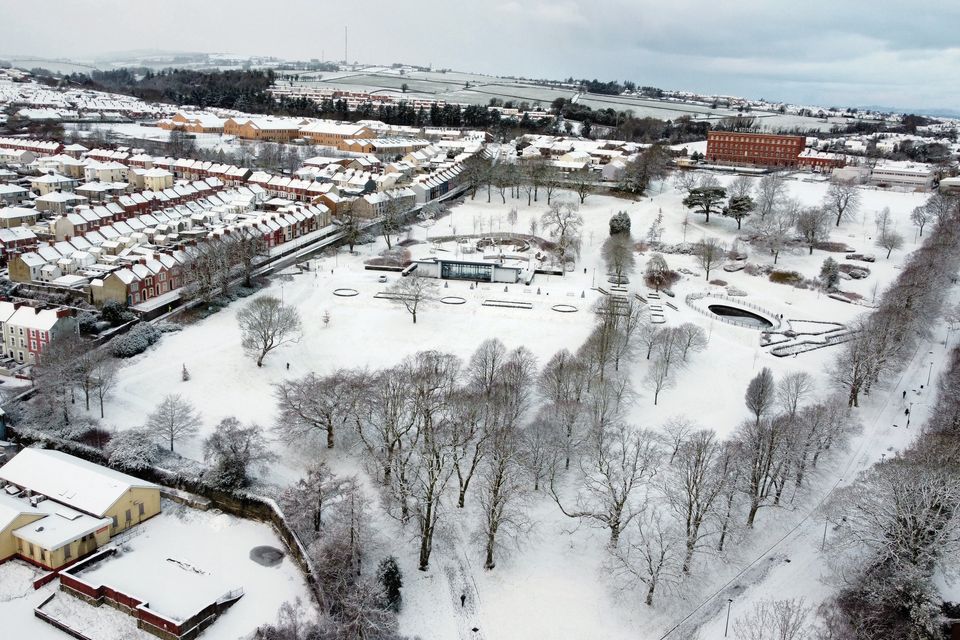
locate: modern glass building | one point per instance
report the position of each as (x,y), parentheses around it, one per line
(466,271)
(474,270)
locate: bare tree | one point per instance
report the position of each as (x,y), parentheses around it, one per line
(776,620)
(312,404)
(685,181)
(174,419)
(306,502)
(563,221)
(391,218)
(690,337)
(561,384)
(621,461)
(649,337)
(890,240)
(709,252)
(501,492)
(813,225)
(792,390)
(763,448)
(659,374)
(842,199)
(246,247)
(385,418)
(676,430)
(538,448)
(266,324)
(433,377)
(920,216)
(693,489)
(775,230)
(771,192)
(650,554)
(581,183)
(740,187)
(104,379)
(414,292)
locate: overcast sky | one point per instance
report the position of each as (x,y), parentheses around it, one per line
(827,52)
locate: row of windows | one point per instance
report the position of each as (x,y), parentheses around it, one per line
(764,140)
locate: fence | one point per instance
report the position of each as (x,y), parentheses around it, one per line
(772,317)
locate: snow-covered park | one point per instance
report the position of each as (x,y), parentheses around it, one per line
(555,582)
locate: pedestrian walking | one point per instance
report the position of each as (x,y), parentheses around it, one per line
(904,394)
(463,599)
(288,366)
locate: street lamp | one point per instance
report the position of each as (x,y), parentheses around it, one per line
(726,628)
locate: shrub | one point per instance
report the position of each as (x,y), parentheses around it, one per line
(388,573)
(719,283)
(87,321)
(833,247)
(620,223)
(168,327)
(133,450)
(96,437)
(786,277)
(135,341)
(116,314)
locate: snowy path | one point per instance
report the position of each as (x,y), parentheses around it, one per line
(458,570)
(802,568)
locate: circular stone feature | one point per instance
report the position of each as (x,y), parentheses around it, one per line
(452,300)
(742,316)
(266,556)
(345,293)
(564,308)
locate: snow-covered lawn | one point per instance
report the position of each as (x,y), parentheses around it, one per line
(555,585)
(18,600)
(99,623)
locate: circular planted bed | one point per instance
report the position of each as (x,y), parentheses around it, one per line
(564,308)
(266,556)
(345,293)
(740,316)
(452,300)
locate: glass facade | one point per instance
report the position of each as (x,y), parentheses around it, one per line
(466,271)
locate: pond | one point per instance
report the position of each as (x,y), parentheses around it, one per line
(742,316)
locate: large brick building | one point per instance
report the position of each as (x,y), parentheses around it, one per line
(759,149)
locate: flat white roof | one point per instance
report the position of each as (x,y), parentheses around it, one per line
(61,526)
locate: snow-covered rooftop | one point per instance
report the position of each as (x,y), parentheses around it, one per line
(67,479)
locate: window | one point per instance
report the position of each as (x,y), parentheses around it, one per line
(66,552)
(116,522)
(129,517)
(140,509)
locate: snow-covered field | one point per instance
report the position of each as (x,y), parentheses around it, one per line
(555,585)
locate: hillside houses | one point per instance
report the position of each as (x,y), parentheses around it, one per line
(375,205)
(26,331)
